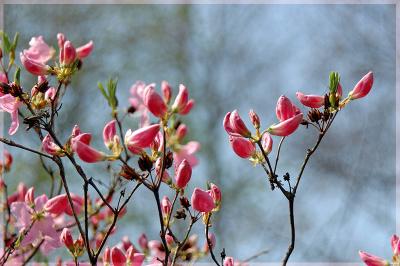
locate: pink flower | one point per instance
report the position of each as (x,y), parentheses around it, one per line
(363,87)
(285,109)
(235,126)
(154,102)
(183,174)
(312,101)
(202,201)
(110,134)
(10,104)
(141,138)
(107,255)
(286,127)
(244,148)
(34,67)
(50,147)
(43,227)
(166,206)
(118,257)
(60,204)
(19,195)
(137,102)
(266,142)
(30,196)
(371,260)
(80,145)
(39,51)
(187,152)
(50,94)
(228,261)
(84,50)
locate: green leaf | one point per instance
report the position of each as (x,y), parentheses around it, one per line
(15,42)
(6,42)
(17,75)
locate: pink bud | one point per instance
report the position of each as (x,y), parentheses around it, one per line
(237,124)
(80,145)
(109,132)
(244,148)
(188,107)
(136,259)
(395,243)
(66,238)
(372,260)
(312,101)
(266,142)
(181,131)
(7,160)
(183,174)
(255,120)
(154,102)
(21,190)
(228,261)
(75,131)
(169,239)
(141,138)
(69,53)
(30,196)
(215,193)
(286,127)
(143,242)
(363,87)
(34,67)
(50,94)
(284,108)
(57,204)
(41,79)
(166,206)
(181,99)
(166,90)
(158,169)
(339,91)
(50,147)
(117,257)
(107,255)
(202,201)
(84,50)
(126,243)
(60,40)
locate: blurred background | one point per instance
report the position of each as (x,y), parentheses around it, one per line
(242,57)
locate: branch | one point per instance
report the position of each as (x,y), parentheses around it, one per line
(210,248)
(12,143)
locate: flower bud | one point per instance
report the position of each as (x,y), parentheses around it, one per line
(30,196)
(154,102)
(188,107)
(372,260)
(181,99)
(69,53)
(228,261)
(244,148)
(109,134)
(107,256)
(266,142)
(166,91)
(237,124)
(166,206)
(80,145)
(50,147)
(255,120)
(215,193)
(66,238)
(312,101)
(363,87)
(117,257)
(286,127)
(181,131)
(395,243)
(284,108)
(202,201)
(143,242)
(183,174)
